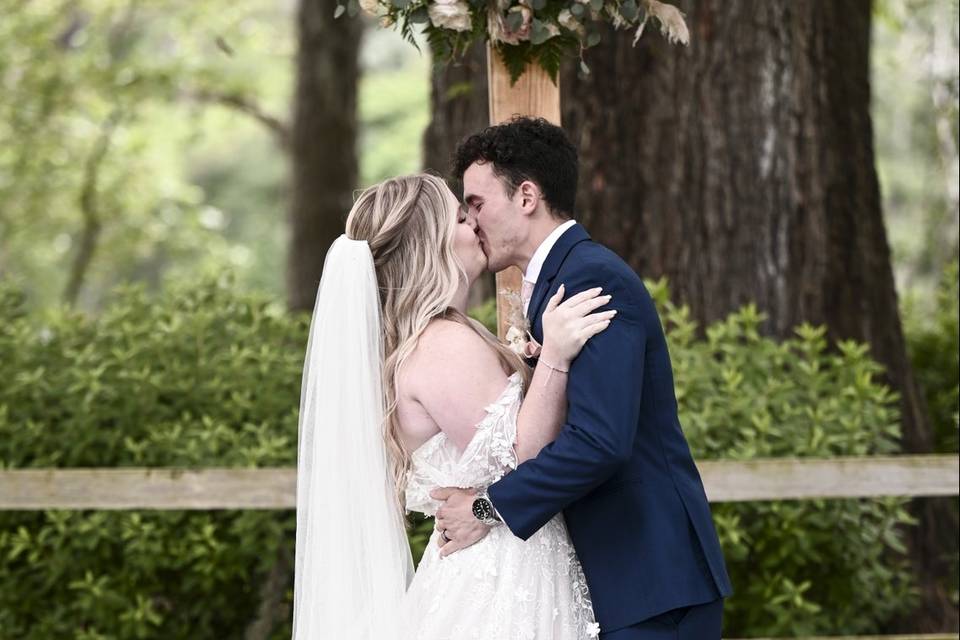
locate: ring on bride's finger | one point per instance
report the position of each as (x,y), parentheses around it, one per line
(443,534)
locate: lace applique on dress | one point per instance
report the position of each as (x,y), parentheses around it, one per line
(502,587)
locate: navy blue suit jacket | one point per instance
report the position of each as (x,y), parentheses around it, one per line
(620,470)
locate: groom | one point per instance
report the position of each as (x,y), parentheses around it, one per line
(620,470)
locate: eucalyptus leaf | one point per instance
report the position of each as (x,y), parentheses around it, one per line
(539,32)
(420,16)
(514,20)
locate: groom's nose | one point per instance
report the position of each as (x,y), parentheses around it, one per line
(472,220)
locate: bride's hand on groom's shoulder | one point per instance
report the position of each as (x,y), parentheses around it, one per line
(568,324)
(455,520)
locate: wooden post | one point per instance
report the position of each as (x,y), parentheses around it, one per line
(534,94)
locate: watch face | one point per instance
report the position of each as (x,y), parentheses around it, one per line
(482,509)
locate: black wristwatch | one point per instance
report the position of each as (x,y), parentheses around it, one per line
(483,510)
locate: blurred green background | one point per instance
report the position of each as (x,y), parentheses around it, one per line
(144,238)
(189,186)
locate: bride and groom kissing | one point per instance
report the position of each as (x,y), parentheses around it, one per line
(566,501)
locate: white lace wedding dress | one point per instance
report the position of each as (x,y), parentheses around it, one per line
(501,588)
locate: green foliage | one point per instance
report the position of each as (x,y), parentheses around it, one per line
(934,347)
(541,32)
(486,314)
(551,53)
(394,109)
(100,104)
(811,567)
(548,53)
(201,377)
(419,534)
(189,182)
(915,106)
(932,340)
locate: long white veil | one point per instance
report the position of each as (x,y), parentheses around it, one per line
(353,562)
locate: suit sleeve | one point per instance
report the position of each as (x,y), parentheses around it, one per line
(603,394)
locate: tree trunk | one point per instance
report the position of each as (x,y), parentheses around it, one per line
(458,104)
(90,208)
(742,168)
(323,148)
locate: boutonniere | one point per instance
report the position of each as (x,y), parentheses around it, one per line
(518,338)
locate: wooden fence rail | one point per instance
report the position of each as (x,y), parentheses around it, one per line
(724,480)
(275,488)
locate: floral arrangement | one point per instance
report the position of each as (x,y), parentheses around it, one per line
(518,337)
(521,31)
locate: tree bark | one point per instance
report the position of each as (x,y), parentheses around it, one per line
(458,104)
(89,207)
(323,147)
(742,168)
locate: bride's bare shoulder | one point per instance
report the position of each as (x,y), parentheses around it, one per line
(452,374)
(444,337)
(452,353)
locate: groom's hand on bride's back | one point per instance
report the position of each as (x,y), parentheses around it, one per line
(456,519)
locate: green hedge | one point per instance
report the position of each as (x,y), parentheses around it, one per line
(932,339)
(201,377)
(934,346)
(206,376)
(810,567)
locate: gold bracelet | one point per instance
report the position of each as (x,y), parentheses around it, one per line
(550,366)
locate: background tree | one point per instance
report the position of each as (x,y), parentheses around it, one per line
(105,110)
(324,154)
(458,108)
(743,169)
(916,90)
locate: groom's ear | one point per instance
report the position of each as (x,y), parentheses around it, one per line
(530,196)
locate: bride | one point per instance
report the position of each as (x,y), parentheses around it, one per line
(403,393)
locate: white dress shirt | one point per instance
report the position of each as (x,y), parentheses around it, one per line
(540,255)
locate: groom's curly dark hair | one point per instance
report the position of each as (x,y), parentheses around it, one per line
(522,149)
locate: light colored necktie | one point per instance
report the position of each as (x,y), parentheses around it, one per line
(526,292)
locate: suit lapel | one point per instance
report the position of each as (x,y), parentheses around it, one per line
(548,272)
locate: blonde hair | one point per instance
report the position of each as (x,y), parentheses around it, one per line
(410,230)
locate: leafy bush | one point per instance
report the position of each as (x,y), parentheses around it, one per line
(201,377)
(486,314)
(204,376)
(810,567)
(934,348)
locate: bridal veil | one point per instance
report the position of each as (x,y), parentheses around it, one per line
(353,562)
